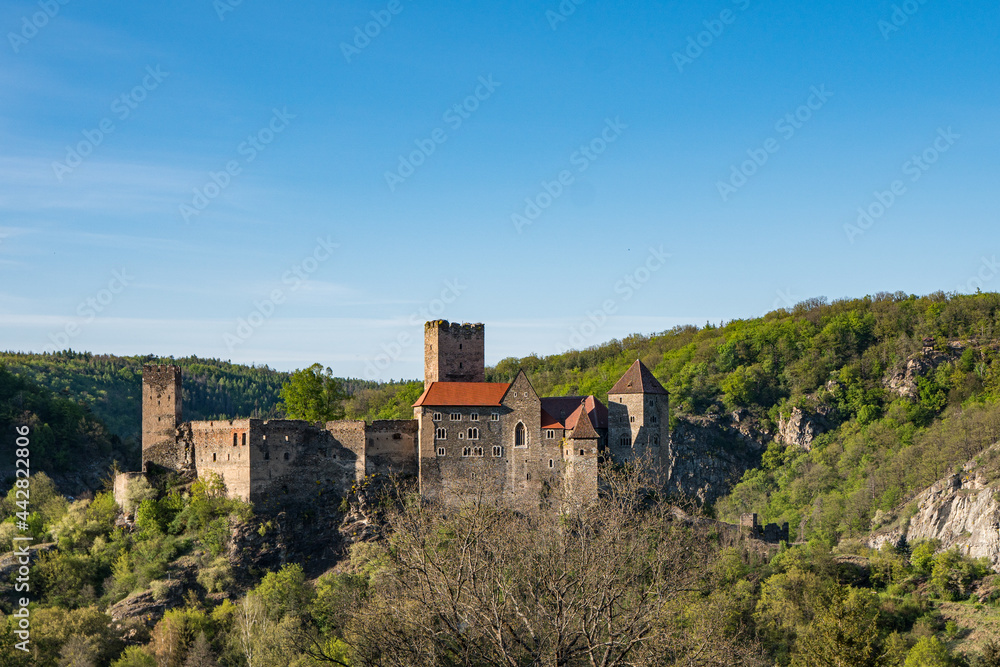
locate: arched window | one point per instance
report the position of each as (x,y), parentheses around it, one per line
(234,439)
(286,456)
(520,435)
(656,439)
(473,434)
(244,439)
(441,434)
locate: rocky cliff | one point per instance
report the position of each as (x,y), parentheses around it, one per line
(961,510)
(708,455)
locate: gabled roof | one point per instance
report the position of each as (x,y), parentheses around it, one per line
(584,430)
(471,394)
(562,408)
(638,380)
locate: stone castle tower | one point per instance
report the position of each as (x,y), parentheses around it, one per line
(638,416)
(454,352)
(161,415)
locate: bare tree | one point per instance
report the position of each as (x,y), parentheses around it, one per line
(601,584)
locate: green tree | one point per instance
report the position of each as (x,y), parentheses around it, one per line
(313,394)
(845,633)
(928,652)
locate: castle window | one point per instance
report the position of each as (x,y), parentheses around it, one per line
(478,451)
(267,456)
(436,417)
(474,417)
(441,434)
(286,438)
(473,434)
(528,477)
(460,364)
(632,419)
(213,456)
(234,439)
(495,417)
(625,441)
(550,434)
(460,346)
(461,435)
(552,463)
(244,440)
(520,435)
(440,451)
(467,451)
(652,419)
(286,456)
(656,439)
(397,436)
(498,452)
(582,452)
(455,416)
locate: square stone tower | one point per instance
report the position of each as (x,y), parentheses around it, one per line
(161,415)
(638,417)
(454,352)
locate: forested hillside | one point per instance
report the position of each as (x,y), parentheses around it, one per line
(110,386)
(907,388)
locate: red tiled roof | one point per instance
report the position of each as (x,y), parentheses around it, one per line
(638,380)
(548,421)
(473,394)
(561,409)
(583,430)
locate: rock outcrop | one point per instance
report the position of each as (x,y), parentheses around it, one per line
(801,428)
(961,511)
(707,456)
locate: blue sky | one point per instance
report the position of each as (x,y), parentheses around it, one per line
(266,183)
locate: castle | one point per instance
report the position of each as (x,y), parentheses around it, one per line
(467,437)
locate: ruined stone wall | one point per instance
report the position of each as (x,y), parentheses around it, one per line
(121,485)
(161,415)
(223,448)
(391,448)
(296,461)
(454,352)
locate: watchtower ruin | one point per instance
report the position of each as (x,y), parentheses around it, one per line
(161,415)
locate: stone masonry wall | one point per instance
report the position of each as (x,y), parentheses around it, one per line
(454,352)
(161,415)
(391,447)
(222,448)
